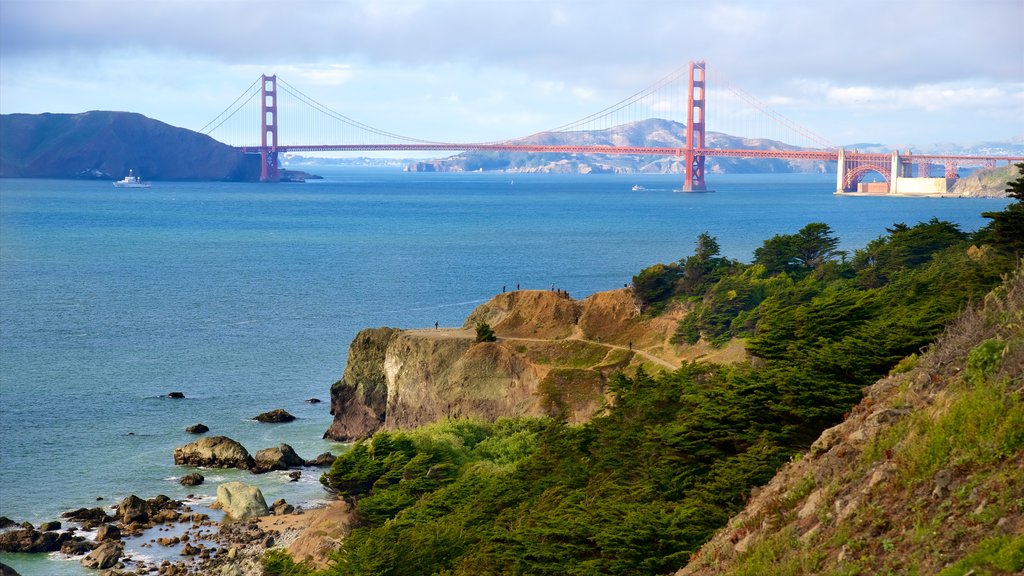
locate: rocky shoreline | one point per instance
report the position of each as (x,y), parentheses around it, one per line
(171,537)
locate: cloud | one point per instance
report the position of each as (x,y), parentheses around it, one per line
(384,56)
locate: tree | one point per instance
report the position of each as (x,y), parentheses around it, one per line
(1006,230)
(655,283)
(697,267)
(905,247)
(484,333)
(806,250)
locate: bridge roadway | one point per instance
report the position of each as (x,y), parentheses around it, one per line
(827,155)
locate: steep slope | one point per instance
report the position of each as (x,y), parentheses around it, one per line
(108,144)
(923,477)
(553,356)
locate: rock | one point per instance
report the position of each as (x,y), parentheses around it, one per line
(104,556)
(276,416)
(197,429)
(31,540)
(313,401)
(283,509)
(6,570)
(177,395)
(294,476)
(323,460)
(88,517)
(49,526)
(108,532)
(193,479)
(281,458)
(241,501)
(214,452)
(133,509)
(6,522)
(77,547)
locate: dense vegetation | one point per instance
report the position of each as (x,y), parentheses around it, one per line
(640,487)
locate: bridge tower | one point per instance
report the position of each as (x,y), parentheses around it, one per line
(695,129)
(268,122)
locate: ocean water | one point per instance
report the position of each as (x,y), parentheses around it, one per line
(245,297)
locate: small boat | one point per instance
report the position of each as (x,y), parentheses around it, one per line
(637,188)
(131,181)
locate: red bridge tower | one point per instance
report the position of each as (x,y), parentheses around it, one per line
(695,129)
(268,153)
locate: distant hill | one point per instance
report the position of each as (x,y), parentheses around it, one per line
(105,145)
(651,132)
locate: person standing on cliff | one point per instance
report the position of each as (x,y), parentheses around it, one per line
(435,325)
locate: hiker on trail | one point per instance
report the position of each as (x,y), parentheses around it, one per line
(435,325)
(630,346)
(502,288)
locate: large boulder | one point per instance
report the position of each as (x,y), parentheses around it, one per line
(241,501)
(275,416)
(199,428)
(282,457)
(108,532)
(6,570)
(104,556)
(133,510)
(214,452)
(193,479)
(323,460)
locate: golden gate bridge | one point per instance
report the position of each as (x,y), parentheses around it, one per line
(682,94)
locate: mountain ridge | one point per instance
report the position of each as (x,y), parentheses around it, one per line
(106,145)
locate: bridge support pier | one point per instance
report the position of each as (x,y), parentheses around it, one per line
(841,172)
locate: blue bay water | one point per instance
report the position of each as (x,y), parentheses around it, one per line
(245,297)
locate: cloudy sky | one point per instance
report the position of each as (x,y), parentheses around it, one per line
(899,72)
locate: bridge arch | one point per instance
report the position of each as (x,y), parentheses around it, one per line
(855,174)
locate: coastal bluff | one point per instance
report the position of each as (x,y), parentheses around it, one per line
(552,357)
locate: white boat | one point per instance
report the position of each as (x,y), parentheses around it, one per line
(638,188)
(131,181)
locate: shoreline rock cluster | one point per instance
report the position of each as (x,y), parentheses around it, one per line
(99,539)
(223,452)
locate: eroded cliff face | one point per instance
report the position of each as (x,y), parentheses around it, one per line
(553,357)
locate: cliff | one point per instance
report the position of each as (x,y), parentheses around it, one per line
(988,182)
(105,145)
(553,356)
(922,477)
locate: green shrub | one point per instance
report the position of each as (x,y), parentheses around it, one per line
(484,333)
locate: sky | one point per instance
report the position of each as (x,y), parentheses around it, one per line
(899,72)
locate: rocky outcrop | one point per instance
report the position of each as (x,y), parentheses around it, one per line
(193,479)
(553,356)
(323,460)
(214,452)
(88,517)
(198,429)
(276,416)
(241,501)
(6,570)
(32,540)
(359,399)
(282,457)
